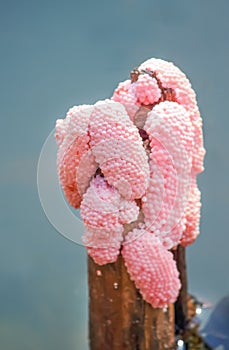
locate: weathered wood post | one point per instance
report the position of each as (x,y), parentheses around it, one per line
(181,307)
(119,319)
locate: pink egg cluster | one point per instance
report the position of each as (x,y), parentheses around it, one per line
(147,90)
(171,77)
(104,212)
(151,267)
(73,141)
(130,164)
(117,147)
(125,94)
(171,141)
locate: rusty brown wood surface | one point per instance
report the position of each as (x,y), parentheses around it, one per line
(119,319)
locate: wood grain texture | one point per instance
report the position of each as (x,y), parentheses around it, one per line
(119,318)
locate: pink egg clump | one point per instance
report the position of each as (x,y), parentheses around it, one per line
(151,267)
(125,94)
(130,164)
(147,90)
(172,77)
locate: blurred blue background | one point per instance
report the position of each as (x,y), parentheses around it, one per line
(57,54)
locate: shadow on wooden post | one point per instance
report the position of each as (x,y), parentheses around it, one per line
(119,318)
(181,305)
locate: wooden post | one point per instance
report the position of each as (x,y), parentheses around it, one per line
(119,318)
(181,305)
